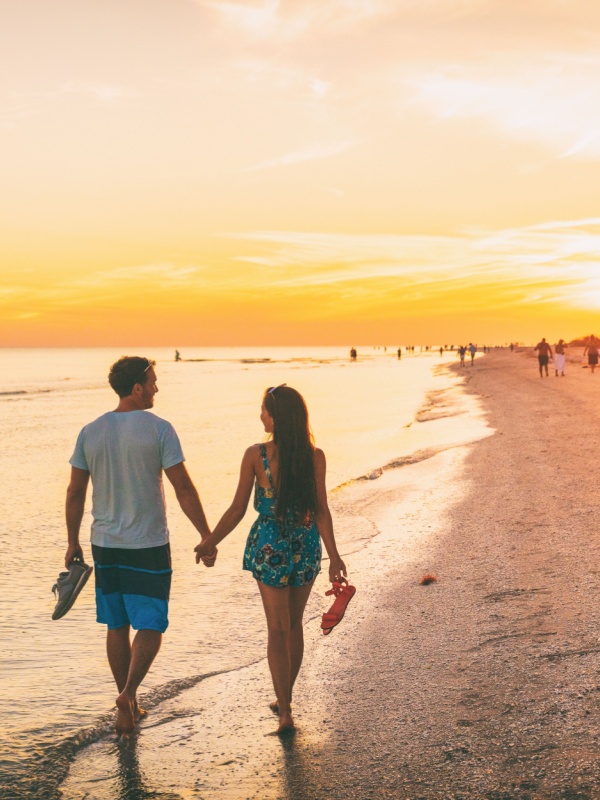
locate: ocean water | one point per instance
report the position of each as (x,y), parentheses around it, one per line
(56,691)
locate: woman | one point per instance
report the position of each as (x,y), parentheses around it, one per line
(283,550)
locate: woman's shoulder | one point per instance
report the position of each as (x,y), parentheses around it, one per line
(256,450)
(319,456)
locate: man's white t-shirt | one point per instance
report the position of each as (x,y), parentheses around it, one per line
(125,454)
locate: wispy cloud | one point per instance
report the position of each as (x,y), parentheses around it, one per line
(553,262)
(299,156)
(319,87)
(9,293)
(555,101)
(149,275)
(19,106)
(283,77)
(264,19)
(107,92)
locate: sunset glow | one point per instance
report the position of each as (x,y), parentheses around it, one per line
(189,172)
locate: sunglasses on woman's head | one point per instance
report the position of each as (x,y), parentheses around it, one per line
(274,388)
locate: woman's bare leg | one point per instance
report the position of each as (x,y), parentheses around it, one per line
(276,605)
(298,598)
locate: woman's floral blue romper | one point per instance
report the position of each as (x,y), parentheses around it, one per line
(277,553)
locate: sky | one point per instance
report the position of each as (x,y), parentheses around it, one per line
(278,172)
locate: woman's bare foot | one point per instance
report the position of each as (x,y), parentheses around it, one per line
(138,712)
(274,706)
(125,722)
(286,725)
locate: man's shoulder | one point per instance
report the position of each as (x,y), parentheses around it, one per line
(153,419)
(143,419)
(98,422)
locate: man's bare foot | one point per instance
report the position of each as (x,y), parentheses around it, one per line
(286,725)
(125,722)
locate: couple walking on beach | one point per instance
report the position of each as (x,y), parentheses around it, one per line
(125,452)
(544,351)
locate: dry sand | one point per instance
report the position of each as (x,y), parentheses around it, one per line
(482,685)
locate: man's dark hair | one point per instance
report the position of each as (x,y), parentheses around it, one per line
(128,371)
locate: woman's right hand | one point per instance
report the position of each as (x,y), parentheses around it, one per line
(337,570)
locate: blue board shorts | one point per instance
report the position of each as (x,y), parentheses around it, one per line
(133,587)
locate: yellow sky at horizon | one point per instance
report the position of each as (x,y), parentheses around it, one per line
(283,172)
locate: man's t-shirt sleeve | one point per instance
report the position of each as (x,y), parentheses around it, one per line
(78,458)
(170,447)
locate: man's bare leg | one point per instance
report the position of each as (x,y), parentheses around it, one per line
(144,649)
(118,650)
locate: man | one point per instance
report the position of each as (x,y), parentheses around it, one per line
(544,352)
(125,452)
(472,351)
(592,348)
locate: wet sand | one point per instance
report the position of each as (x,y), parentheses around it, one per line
(484,684)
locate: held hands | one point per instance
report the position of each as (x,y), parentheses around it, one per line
(337,569)
(206,552)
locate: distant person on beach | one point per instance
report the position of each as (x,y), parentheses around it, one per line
(353,354)
(559,358)
(591,348)
(125,452)
(177,355)
(399,353)
(544,352)
(472,351)
(462,352)
(283,550)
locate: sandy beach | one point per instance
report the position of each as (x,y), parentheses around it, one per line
(484,684)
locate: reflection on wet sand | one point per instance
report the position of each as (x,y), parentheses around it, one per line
(130,783)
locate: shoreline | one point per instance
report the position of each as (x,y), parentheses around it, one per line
(486,684)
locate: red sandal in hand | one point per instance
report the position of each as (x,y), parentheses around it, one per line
(343,595)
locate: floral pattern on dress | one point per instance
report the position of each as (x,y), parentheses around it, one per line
(281,554)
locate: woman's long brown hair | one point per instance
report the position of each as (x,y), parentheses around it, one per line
(296,483)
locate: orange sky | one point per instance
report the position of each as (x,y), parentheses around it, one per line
(188,172)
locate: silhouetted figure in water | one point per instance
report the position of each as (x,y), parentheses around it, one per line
(353,354)
(544,352)
(441,351)
(177,355)
(399,353)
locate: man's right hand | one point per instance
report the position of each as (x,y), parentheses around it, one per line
(206,553)
(73,551)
